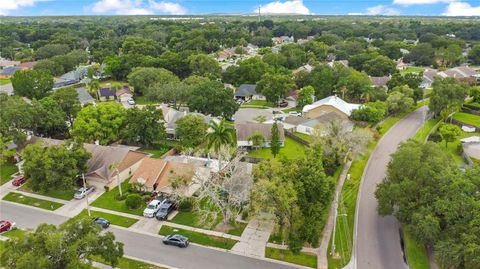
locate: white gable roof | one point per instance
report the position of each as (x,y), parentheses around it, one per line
(335,102)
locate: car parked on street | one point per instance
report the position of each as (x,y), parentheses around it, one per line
(295,113)
(103,222)
(82,192)
(6,225)
(176,240)
(152,208)
(283,104)
(165,209)
(19,180)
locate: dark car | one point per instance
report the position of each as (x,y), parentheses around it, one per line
(165,209)
(176,240)
(103,222)
(18,181)
(283,104)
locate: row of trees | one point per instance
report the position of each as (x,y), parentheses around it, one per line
(437,202)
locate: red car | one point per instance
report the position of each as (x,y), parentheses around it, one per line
(18,181)
(5,226)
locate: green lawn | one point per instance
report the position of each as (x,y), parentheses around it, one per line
(6,172)
(237,228)
(303,258)
(412,69)
(15,233)
(159,149)
(296,109)
(467,118)
(31,201)
(113,219)
(66,195)
(303,136)
(4,81)
(190,218)
(141,100)
(454,147)
(416,253)
(200,238)
(108,201)
(422,133)
(126,263)
(258,103)
(291,150)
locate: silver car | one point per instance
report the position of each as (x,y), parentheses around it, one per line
(82,192)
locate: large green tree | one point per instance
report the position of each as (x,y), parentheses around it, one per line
(144,126)
(446,92)
(191,130)
(48,118)
(68,246)
(67,99)
(32,83)
(16,115)
(212,98)
(204,65)
(275,87)
(143,77)
(103,122)
(380,66)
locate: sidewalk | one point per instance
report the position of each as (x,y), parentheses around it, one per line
(322,262)
(254,238)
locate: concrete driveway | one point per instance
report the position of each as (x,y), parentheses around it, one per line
(249,114)
(74,206)
(377,239)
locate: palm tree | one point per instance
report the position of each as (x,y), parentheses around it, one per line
(93,86)
(368,94)
(220,135)
(257,140)
(114,166)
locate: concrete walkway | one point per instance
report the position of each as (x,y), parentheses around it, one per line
(322,257)
(6,188)
(74,206)
(254,238)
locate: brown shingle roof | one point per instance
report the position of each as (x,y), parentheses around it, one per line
(244,130)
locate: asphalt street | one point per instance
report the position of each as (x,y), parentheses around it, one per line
(142,246)
(377,244)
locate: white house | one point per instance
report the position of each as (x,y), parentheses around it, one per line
(329,104)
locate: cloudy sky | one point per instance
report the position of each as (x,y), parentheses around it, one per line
(177,7)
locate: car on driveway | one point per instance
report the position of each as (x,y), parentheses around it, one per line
(152,208)
(103,222)
(295,113)
(176,240)
(82,192)
(131,101)
(19,180)
(6,225)
(165,209)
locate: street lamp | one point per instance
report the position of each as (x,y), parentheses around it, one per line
(86,196)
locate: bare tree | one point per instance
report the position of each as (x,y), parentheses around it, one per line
(226,190)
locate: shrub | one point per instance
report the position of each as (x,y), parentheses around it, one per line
(119,197)
(186,204)
(133,201)
(107,188)
(370,112)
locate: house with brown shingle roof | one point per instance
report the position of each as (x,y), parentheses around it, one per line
(245,130)
(156,174)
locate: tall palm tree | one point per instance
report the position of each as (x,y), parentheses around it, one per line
(93,86)
(220,135)
(257,140)
(114,166)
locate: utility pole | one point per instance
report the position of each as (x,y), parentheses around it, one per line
(259,15)
(86,196)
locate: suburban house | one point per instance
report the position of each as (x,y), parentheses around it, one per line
(105,94)
(245,130)
(7,63)
(471,147)
(171,115)
(100,167)
(304,68)
(292,97)
(123,94)
(67,79)
(342,62)
(226,54)
(330,104)
(26,65)
(84,97)
(464,73)
(248,92)
(156,174)
(8,72)
(428,77)
(307,126)
(380,81)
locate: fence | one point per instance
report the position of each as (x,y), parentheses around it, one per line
(459,123)
(253,160)
(298,139)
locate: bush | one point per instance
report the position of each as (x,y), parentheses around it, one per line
(119,197)
(186,204)
(133,201)
(107,188)
(370,112)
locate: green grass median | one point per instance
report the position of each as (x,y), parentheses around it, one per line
(31,201)
(112,218)
(303,258)
(200,238)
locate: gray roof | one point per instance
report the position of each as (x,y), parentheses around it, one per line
(325,118)
(84,96)
(244,130)
(9,71)
(380,81)
(246,90)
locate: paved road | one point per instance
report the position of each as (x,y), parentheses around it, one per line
(377,244)
(145,247)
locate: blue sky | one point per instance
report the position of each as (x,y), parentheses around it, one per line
(174,7)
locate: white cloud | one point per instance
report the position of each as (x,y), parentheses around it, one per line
(137,7)
(378,10)
(461,9)
(420,2)
(287,7)
(7,6)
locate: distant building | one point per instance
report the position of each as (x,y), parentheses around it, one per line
(248,92)
(8,72)
(105,94)
(245,130)
(84,97)
(380,81)
(327,105)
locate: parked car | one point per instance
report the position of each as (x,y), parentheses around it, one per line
(19,180)
(283,104)
(131,101)
(176,240)
(295,113)
(103,222)
(165,209)
(152,208)
(6,225)
(82,192)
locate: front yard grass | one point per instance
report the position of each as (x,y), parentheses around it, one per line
(4,81)
(126,263)
(190,218)
(31,201)
(141,100)
(467,118)
(303,136)
(66,195)
(15,233)
(258,103)
(108,201)
(416,253)
(159,149)
(412,69)
(113,219)
(291,150)
(303,258)
(425,130)
(200,238)
(6,172)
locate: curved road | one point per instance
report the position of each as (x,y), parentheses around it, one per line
(377,239)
